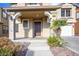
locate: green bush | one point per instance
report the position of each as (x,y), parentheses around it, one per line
(55,41)
(58,23)
(7,47)
(6,52)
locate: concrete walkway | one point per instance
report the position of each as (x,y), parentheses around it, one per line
(73,43)
(37,47)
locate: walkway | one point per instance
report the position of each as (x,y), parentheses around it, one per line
(37,47)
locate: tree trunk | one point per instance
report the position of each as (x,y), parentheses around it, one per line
(57,32)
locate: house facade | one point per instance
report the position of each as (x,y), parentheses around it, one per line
(35,18)
(3,23)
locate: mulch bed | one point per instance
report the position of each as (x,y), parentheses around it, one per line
(62,51)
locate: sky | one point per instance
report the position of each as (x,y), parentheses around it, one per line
(4,5)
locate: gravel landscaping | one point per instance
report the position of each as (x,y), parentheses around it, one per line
(10,48)
(23,49)
(61,51)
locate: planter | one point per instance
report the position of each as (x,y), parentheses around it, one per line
(62,51)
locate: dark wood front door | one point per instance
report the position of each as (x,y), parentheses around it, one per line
(37,29)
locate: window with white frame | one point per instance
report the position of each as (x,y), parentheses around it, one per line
(66,12)
(77,14)
(16,27)
(25,24)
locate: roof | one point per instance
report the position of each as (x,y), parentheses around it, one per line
(75,4)
(29,8)
(41,8)
(1,22)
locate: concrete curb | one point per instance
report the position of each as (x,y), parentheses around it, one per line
(72,50)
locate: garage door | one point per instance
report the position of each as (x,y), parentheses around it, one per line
(77,28)
(67,31)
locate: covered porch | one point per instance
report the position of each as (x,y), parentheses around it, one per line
(31,23)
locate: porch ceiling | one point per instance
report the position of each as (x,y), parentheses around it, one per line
(32,14)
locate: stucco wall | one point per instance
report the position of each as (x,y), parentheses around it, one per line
(22,33)
(68,30)
(73,12)
(45,28)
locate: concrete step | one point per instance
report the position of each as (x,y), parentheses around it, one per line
(39,53)
(30,41)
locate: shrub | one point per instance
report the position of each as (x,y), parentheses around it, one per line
(6,52)
(55,41)
(7,47)
(58,23)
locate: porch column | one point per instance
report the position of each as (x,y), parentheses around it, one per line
(12,19)
(51,16)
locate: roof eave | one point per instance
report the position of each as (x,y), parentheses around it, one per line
(33,8)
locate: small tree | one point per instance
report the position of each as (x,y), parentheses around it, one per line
(56,40)
(56,26)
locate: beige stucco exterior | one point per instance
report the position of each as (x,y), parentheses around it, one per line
(71,20)
(24,33)
(45,30)
(73,12)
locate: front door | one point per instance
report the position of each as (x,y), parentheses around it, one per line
(37,29)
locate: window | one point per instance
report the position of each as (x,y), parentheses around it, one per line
(16,28)
(3,29)
(65,12)
(25,24)
(4,15)
(77,15)
(33,4)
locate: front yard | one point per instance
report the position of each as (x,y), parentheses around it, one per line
(64,50)
(9,48)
